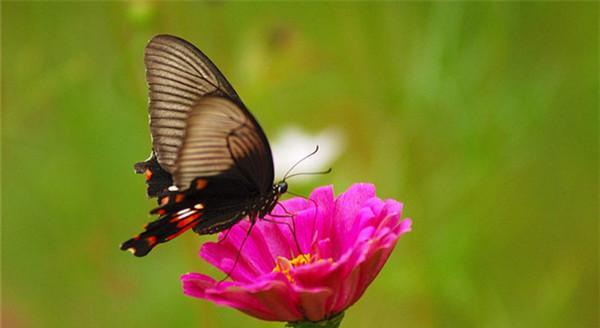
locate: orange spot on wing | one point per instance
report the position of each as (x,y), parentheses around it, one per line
(164,200)
(179,198)
(148,174)
(201,183)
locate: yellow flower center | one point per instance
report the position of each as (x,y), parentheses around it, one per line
(284,265)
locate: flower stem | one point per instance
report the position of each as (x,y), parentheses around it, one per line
(333,322)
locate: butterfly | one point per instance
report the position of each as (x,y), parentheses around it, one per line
(211,163)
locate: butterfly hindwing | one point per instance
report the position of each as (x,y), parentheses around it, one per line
(210,205)
(167,227)
(222,138)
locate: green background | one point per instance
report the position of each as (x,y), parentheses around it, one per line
(481,117)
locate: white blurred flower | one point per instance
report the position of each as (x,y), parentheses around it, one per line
(292,144)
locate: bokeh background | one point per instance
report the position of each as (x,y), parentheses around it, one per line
(481,117)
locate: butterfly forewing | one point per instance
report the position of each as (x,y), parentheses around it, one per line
(178,75)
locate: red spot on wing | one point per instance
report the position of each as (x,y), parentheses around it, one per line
(188,220)
(179,198)
(184,225)
(175,234)
(151,240)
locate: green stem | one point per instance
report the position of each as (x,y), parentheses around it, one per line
(333,322)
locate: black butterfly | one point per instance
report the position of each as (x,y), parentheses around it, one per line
(211,163)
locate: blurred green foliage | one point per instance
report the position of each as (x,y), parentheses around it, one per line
(481,117)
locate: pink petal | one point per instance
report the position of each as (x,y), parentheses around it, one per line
(223,257)
(366,273)
(314,301)
(292,205)
(267,299)
(325,201)
(347,207)
(275,238)
(346,291)
(350,202)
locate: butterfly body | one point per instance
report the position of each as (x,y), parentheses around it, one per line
(211,164)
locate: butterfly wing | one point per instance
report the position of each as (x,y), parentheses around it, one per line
(210,205)
(201,131)
(178,76)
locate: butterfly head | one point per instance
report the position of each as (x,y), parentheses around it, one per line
(280,187)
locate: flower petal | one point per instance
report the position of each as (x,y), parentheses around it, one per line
(314,301)
(267,299)
(223,256)
(325,202)
(347,207)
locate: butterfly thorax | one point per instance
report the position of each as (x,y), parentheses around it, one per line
(266,202)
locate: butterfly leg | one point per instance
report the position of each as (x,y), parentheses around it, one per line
(316,206)
(224,237)
(307,198)
(291,226)
(237,257)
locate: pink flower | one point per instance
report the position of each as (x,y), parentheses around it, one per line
(344,241)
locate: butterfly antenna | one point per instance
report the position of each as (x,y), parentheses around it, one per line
(309,173)
(300,161)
